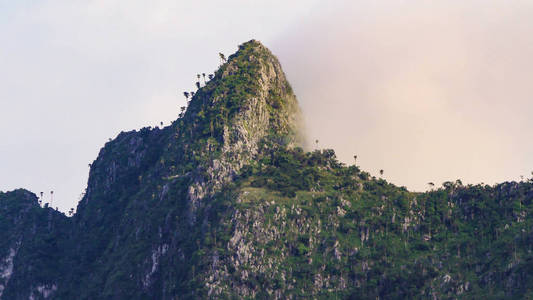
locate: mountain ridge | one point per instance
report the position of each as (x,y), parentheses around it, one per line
(225,203)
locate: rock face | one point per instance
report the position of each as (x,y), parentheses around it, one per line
(31,243)
(224,203)
(247,103)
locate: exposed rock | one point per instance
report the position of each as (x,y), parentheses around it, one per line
(224,204)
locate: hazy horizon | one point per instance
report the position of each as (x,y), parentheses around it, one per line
(428,92)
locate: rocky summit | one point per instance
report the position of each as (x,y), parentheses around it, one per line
(225,203)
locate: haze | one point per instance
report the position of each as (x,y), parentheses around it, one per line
(426,91)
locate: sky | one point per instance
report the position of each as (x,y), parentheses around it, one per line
(428,91)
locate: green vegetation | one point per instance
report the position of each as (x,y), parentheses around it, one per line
(222,204)
(473,241)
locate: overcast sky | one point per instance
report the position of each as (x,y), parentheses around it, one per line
(426,90)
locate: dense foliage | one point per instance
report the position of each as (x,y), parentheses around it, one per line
(392,243)
(222,204)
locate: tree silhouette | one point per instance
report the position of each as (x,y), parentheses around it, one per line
(222,57)
(192,95)
(161,124)
(51,197)
(355,159)
(203,75)
(186,94)
(431,185)
(198,84)
(211,76)
(381,172)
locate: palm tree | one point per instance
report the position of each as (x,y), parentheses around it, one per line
(42,195)
(186,94)
(161,124)
(381,172)
(431,185)
(210,76)
(192,95)
(198,84)
(203,75)
(222,57)
(51,197)
(198,76)
(355,159)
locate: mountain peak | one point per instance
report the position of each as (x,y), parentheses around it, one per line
(254,56)
(249,91)
(254,45)
(248,103)
(250,48)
